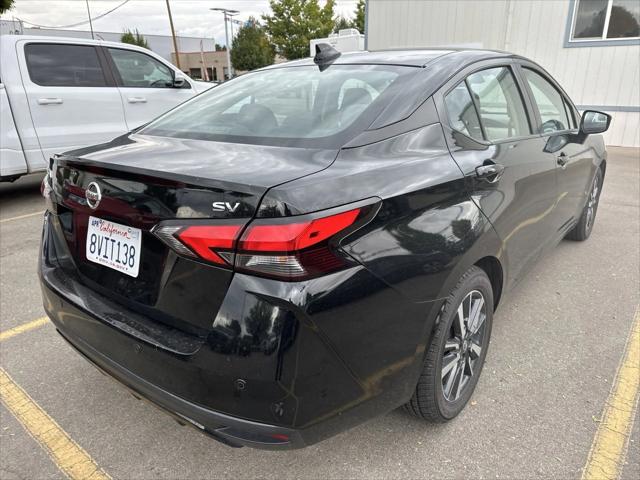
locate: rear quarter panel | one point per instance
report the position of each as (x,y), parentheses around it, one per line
(426,233)
(427,222)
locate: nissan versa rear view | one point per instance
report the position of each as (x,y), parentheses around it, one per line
(319,242)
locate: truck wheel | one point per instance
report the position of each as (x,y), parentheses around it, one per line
(457,351)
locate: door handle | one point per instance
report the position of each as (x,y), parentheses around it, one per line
(136,100)
(562,159)
(490,172)
(49,101)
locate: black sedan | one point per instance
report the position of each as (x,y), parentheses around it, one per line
(319,242)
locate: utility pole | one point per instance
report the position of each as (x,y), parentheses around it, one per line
(173,34)
(227,16)
(90,23)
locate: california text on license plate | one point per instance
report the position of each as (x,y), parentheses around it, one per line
(113,245)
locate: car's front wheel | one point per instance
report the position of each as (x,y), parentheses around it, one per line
(457,351)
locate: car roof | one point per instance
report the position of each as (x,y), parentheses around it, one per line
(419,57)
(12,39)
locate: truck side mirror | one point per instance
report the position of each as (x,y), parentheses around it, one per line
(179,82)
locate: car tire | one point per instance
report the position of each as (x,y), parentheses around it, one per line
(435,399)
(583,228)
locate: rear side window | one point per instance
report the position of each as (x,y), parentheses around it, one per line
(500,104)
(59,65)
(462,112)
(551,104)
(139,70)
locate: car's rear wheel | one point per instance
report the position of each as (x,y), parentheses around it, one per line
(583,228)
(457,351)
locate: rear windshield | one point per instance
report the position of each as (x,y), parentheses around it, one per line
(285,106)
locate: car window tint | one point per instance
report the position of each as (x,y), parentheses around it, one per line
(462,114)
(553,113)
(292,103)
(139,70)
(501,110)
(59,65)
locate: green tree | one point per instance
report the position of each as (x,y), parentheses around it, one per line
(220,48)
(341,24)
(251,48)
(134,39)
(5,5)
(358,22)
(294,22)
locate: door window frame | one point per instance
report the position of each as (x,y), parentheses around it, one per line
(461,76)
(522,64)
(118,77)
(110,81)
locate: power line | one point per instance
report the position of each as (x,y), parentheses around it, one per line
(91,19)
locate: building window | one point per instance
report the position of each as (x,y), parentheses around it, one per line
(610,20)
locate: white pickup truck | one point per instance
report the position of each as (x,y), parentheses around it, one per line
(58,94)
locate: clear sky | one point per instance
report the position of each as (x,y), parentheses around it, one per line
(190,17)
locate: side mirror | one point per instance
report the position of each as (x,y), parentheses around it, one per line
(179,82)
(594,122)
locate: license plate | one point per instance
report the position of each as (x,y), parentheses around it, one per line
(113,245)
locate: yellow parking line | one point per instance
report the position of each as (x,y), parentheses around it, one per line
(25,327)
(611,440)
(65,453)
(20,217)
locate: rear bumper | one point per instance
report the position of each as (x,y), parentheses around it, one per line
(233,431)
(284,365)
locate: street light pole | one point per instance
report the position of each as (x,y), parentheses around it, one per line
(227,16)
(227,46)
(231,20)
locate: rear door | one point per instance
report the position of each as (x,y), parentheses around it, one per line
(490,134)
(71,94)
(557,123)
(146,85)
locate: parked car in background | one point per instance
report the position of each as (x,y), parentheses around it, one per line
(308,246)
(59,94)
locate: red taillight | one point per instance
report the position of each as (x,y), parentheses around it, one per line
(207,240)
(291,237)
(290,249)
(293,250)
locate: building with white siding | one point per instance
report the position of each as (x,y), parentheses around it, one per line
(591,47)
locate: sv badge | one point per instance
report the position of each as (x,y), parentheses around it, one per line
(225,206)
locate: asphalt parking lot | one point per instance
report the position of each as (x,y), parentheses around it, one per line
(557,341)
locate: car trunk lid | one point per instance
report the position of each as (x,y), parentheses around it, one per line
(147,180)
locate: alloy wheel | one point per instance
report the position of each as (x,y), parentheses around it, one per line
(592,202)
(463,346)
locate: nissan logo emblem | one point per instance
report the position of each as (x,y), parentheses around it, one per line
(93,195)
